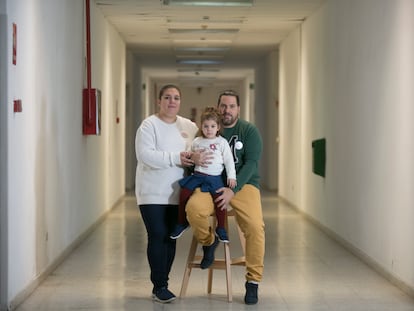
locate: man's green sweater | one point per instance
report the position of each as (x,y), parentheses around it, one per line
(246,144)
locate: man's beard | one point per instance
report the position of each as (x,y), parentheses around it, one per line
(227,119)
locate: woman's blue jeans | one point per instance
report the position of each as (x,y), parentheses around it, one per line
(160,220)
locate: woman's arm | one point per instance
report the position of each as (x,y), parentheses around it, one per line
(146,152)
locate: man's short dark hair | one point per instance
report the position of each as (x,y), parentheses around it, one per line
(229,93)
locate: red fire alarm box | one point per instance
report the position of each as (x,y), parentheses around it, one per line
(91,112)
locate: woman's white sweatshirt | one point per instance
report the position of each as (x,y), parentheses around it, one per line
(157,146)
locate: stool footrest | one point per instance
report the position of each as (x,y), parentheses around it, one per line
(239,261)
(218,263)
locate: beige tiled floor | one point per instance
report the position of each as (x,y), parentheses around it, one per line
(304,270)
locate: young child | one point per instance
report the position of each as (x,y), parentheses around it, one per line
(209,178)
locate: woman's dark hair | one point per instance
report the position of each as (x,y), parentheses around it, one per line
(229,93)
(210,113)
(168,86)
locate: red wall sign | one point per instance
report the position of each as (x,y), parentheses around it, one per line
(14,44)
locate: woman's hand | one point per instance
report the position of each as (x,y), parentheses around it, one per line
(202,157)
(223,200)
(185,157)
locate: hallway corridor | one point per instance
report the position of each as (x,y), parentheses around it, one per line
(304,270)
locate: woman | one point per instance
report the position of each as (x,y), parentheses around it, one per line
(161,145)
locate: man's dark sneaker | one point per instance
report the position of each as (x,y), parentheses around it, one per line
(221,233)
(251,293)
(178,231)
(163,295)
(208,256)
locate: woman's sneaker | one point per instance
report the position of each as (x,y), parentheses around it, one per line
(163,295)
(221,233)
(178,231)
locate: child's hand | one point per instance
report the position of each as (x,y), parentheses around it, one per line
(231,183)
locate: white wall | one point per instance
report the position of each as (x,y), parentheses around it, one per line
(355,77)
(290,118)
(132,108)
(270,107)
(59,181)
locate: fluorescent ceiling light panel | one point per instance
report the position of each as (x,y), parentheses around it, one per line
(187,56)
(201,31)
(197,70)
(203,42)
(198,79)
(198,62)
(205,21)
(231,3)
(202,49)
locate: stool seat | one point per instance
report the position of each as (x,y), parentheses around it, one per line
(193,261)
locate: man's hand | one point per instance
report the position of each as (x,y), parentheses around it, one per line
(224,198)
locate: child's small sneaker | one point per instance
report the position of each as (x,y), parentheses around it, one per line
(222,235)
(178,231)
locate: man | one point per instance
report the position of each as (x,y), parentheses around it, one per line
(246,144)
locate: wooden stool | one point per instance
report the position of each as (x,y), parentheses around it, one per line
(193,261)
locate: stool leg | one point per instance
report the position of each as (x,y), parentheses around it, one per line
(210,280)
(210,270)
(188,267)
(227,259)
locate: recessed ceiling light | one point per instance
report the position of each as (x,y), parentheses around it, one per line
(209,3)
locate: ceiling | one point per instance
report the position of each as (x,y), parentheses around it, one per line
(221,42)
